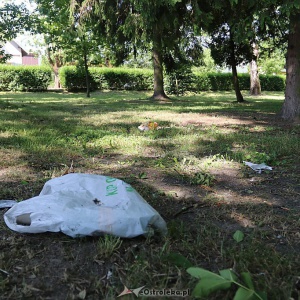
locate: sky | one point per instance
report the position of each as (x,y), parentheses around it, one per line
(18,2)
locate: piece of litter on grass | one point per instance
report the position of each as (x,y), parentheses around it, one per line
(71,204)
(7,203)
(257,167)
(4,272)
(148,126)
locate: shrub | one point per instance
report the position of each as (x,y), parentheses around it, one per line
(244,81)
(177,82)
(24,78)
(272,82)
(180,81)
(223,82)
(73,78)
(214,81)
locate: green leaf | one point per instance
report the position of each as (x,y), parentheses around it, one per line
(173,2)
(178,260)
(232,2)
(209,282)
(197,291)
(207,285)
(228,274)
(246,277)
(244,294)
(201,273)
(238,236)
(142,175)
(262,295)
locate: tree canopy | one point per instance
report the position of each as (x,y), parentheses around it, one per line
(13,20)
(170,29)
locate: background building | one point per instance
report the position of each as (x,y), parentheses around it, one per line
(18,55)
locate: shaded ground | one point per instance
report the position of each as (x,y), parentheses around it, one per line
(201,221)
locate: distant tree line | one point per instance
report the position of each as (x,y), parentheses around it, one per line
(235,31)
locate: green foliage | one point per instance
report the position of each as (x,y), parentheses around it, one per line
(223,44)
(208,64)
(21,78)
(107,245)
(178,82)
(223,82)
(107,78)
(73,79)
(238,236)
(214,81)
(272,82)
(177,259)
(201,178)
(211,282)
(13,19)
(272,65)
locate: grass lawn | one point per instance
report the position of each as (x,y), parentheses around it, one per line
(190,170)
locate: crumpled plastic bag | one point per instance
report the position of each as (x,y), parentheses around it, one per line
(7,203)
(257,167)
(86,204)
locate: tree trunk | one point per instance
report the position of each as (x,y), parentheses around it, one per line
(255,88)
(291,106)
(87,77)
(55,64)
(159,93)
(236,85)
(57,84)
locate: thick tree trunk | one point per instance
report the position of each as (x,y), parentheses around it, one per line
(159,93)
(255,88)
(236,85)
(57,84)
(291,106)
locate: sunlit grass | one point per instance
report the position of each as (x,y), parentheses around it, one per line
(43,123)
(43,134)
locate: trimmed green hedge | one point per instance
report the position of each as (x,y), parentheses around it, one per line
(24,78)
(223,82)
(73,78)
(272,82)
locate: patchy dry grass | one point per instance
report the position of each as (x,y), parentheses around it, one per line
(190,171)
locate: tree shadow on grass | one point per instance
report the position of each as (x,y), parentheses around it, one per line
(201,221)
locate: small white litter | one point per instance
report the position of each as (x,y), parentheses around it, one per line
(86,204)
(257,167)
(148,126)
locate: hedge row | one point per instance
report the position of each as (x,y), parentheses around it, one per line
(24,78)
(73,79)
(223,82)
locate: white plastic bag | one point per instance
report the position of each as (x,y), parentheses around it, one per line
(257,167)
(85,204)
(7,203)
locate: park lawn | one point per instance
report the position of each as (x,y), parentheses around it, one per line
(190,170)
